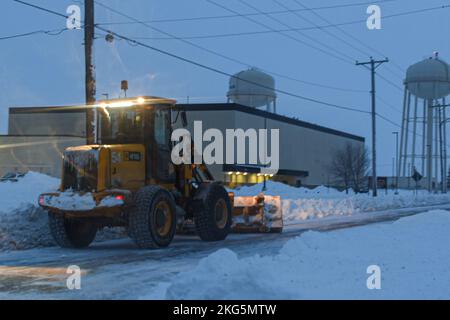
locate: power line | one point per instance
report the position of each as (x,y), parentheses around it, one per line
(198,64)
(299,32)
(326,52)
(388,120)
(246,14)
(292,38)
(263,32)
(316,25)
(390,82)
(54,32)
(348,34)
(234,59)
(388,104)
(223,56)
(41,8)
(340,39)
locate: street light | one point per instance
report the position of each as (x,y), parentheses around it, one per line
(396,161)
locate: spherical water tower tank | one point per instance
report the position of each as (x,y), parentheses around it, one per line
(252,88)
(429,79)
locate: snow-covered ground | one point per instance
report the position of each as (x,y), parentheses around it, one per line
(412,254)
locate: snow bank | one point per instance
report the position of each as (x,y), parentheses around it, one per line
(301,203)
(412,254)
(23,224)
(25,192)
(287,191)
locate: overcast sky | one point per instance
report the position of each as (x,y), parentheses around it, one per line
(49,70)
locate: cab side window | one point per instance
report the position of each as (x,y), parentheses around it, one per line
(161,128)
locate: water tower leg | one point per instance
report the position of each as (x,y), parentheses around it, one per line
(430,145)
(424,135)
(436,147)
(413,154)
(444,143)
(402,135)
(441,151)
(407,120)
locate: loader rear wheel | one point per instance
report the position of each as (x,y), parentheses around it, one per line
(71,233)
(152,221)
(213,215)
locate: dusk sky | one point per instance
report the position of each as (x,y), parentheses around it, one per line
(49,70)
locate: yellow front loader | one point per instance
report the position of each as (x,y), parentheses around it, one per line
(127,179)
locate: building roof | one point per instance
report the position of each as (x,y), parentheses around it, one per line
(205,107)
(268,115)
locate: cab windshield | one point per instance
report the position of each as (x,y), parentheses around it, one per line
(134,125)
(80,170)
(122,125)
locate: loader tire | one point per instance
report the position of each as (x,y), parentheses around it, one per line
(70,233)
(213,213)
(152,220)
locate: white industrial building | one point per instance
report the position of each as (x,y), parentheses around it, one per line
(37,136)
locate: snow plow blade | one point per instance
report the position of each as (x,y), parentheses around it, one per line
(259,214)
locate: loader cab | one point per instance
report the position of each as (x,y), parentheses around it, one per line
(145,121)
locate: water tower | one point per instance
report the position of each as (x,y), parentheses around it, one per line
(424,134)
(253,88)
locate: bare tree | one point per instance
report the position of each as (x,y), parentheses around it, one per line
(350,166)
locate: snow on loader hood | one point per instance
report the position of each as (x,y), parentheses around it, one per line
(71,201)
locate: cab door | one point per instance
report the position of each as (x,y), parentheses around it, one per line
(163,129)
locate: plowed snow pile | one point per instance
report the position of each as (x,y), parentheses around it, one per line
(412,254)
(23,224)
(302,203)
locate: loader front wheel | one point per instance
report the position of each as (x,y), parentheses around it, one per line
(213,215)
(152,221)
(71,233)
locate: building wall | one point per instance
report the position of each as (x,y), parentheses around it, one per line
(303,147)
(38,153)
(29,122)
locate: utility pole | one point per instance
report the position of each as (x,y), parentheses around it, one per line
(89,31)
(374,64)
